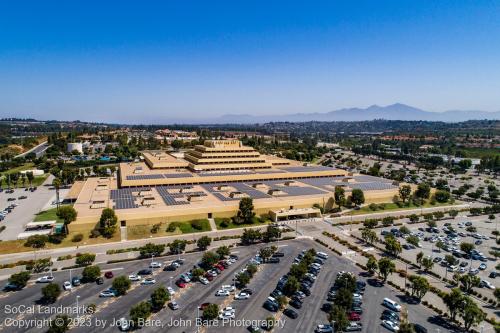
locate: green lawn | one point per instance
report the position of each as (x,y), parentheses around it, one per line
(23,167)
(230,225)
(47,215)
(389,206)
(145,231)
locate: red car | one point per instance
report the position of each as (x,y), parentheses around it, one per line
(219,266)
(353,316)
(209,277)
(180,283)
(204,306)
(108,275)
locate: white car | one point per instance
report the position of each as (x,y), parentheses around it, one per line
(222,292)
(67,285)
(171,290)
(242,295)
(148,281)
(228,287)
(487,284)
(391,326)
(155,264)
(123,324)
(45,279)
(204,280)
(107,293)
(226,315)
(133,277)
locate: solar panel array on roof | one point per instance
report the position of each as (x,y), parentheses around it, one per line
(167,198)
(178,175)
(293,190)
(125,203)
(142,177)
(365,183)
(209,173)
(306,168)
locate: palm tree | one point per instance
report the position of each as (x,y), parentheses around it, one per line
(57,185)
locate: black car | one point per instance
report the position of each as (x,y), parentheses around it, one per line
(233,256)
(75,281)
(99,280)
(327,307)
(493,275)
(179,261)
(290,313)
(276,293)
(270,306)
(247,291)
(273,260)
(296,304)
(357,309)
(361,285)
(419,328)
(170,268)
(11,287)
(145,272)
(306,291)
(295,298)
(278,254)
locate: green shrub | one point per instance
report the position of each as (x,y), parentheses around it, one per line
(77,238)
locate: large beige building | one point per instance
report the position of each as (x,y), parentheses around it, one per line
(209,181)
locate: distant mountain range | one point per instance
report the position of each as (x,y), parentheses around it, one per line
(396,111)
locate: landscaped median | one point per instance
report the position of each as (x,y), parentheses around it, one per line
(167,229)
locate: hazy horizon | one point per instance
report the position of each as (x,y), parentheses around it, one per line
(126,63)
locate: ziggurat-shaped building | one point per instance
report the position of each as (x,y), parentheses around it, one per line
(209,181)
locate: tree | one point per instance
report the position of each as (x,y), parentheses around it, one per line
(242,279)
(177,246)
(413,240)
(251,269)
(343,298)
(271,233)
(50,293)
(357,196)
(339,317)
(57,185)
(268,324)
(387,221)
(223,251)
(466,247)
(370,223)
(450,260)
(291,286)
(203,242)
(469,282)
(266,253)
(496,293)
(139,313)
(121,284)
(339,196)
(371,264)
(148,250)
(85,259)
(197,273)
(393,246)
(211,312)
(59,324)
(91,273)
(209,259)
(68,214)
(405,192)
(440,245)
(453,301)
(420,256)
(432,224)
(453,213)
(245,213)
(442,196)
(107,222)
(385,268)
(31,177)
(20,279)
(423,191)
(159,297)
(419,286)
(427,263)
(471,313)
(369,235)
(406,327)
(250,236)
(36,241)
(414,218)
(404,230)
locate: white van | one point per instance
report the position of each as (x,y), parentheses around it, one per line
(391,304)
(322,255)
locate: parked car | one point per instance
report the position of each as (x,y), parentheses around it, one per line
(354,327)
(290,313)
(173,305)
(391,326)
(108,275)
(67,285)
(45,279)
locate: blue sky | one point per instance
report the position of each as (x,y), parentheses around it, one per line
(148,61)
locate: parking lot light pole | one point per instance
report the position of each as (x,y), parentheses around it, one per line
(77,309)
(171,281)
(197,319)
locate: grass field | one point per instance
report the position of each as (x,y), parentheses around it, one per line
(47,215)
(223,224)
(145,231)
(392,207)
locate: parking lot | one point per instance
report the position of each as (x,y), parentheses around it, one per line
(483,245)
(27,208)
(262,284)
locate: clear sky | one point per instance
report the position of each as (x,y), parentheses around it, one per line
(145,61)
